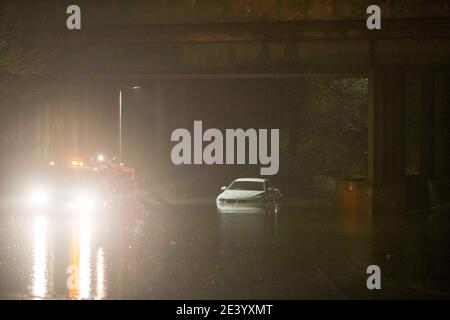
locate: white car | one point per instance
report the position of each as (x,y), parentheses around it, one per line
(248,193)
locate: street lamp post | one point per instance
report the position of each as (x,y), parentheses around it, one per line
(120,125)
(120,118)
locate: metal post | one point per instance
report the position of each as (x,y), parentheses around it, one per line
(120,125)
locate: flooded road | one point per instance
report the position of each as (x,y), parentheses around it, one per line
(195,253)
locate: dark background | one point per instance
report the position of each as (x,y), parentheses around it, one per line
(322,122)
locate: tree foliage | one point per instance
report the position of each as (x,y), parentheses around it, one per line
(324,134)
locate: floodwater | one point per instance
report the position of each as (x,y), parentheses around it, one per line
(192,252)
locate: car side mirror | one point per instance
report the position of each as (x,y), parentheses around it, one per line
(223,188)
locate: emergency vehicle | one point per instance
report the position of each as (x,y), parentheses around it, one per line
(82,186)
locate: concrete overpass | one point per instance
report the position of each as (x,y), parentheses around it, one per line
(166,39)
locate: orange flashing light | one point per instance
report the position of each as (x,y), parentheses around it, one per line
(76,163)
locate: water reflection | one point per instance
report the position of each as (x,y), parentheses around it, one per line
(84,268)
(101,289)
(39,278)
(196,253)
(72,270)
(80,280)
(84,271)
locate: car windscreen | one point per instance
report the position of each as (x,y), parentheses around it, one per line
(247,185)
(66,176)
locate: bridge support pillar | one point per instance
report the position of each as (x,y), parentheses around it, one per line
(386,139)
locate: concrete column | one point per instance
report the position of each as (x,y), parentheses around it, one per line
(386,142)
(427,124)
(441,114)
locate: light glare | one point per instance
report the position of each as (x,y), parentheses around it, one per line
(84,203)
(39,198)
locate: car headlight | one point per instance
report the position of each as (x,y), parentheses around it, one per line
(39,197)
